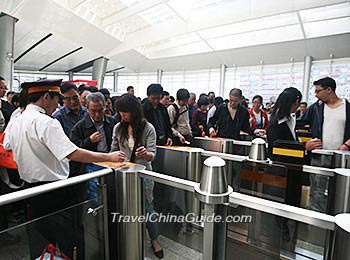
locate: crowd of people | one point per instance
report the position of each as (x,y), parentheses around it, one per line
(55,129)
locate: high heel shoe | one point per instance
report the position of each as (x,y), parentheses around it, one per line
(159,254)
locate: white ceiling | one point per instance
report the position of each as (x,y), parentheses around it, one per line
(146,35)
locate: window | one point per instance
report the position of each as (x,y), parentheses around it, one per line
(339,70)
(108,83)
(196,81)
(21,77)
(140,81)
(266,80)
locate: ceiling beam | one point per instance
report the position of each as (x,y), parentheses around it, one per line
(60,58)
(32,47)
(75,3)
(83,66)
(301,25)
(120,68)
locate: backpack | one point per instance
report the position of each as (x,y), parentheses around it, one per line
(177,114)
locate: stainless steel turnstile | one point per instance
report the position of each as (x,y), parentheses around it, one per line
(183,162)
(221,145)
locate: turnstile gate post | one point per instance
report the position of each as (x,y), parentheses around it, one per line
(214,191)
(130,203)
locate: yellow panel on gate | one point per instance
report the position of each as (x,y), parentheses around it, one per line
(288,152)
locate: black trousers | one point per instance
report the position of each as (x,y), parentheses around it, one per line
(51,224)
(3,209)
(4,189)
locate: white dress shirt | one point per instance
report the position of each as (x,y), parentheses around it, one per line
(291,122)
(40,146)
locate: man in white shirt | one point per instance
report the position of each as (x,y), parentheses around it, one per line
(329,117)
(41,150)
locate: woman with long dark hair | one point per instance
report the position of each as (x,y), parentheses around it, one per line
(137,139)
(282,126)
(282,122)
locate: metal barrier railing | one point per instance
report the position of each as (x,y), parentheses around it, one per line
(302,215)
(306,216)
(31,192)
(239,158)
(49,187)
(130,201)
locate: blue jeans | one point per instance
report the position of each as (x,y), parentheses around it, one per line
(152,227)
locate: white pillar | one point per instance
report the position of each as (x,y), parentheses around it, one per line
(7,29)
(222,79)
(306,78)
(115,81)
(98,70)
(159,76)
(70,75)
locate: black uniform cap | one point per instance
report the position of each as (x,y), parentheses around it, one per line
(42,86)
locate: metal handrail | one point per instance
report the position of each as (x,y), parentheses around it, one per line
(169,180)
(31,192)
(303,215)
(227,156)
(299,214)
(239,158)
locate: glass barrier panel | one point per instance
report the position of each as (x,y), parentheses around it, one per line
(179,225)
(71,219)
(283,183)
(253,234)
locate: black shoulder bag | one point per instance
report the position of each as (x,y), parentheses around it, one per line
(138,142)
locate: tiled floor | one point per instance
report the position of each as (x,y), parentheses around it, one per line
(173,251)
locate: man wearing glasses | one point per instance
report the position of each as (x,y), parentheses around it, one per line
(329,117)
(72,111)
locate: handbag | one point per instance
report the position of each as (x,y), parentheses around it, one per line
(6,156)
(52,254)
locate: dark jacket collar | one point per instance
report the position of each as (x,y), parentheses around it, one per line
(89,123)
(68,111)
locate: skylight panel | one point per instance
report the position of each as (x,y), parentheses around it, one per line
(327,12)
(129,3)
(157,14)
(280,34)
(193,48)
(252,25)
(187,8)
(170,43)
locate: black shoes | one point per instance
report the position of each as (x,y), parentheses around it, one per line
(159,254)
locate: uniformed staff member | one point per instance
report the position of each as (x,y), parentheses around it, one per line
(41,150)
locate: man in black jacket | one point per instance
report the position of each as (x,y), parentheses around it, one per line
(157,114)
(329,117)
(231,118)
(94,132)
